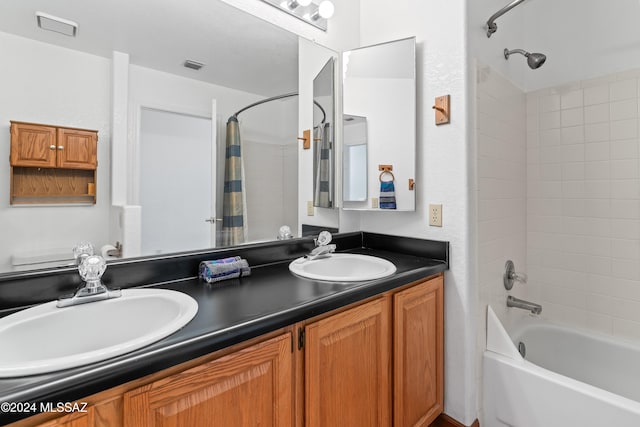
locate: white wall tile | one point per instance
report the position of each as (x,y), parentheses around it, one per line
(596,94)
(597,113)
(572,117)
(597,132)
(597,151)
(548,103)
(597,170)
(572,135)
(624,89)
(626,149)
(550,120)
(627,109)
(572,99)
(624,129)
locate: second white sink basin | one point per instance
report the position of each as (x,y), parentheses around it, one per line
(343,268)
(45,338)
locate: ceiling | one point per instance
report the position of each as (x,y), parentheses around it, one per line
(162,34)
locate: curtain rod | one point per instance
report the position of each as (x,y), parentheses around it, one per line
(275,98)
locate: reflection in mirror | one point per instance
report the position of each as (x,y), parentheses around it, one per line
(379,84)
(323,137)
(54,79)
(354,158)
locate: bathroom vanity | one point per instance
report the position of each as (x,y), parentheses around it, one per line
(273,348)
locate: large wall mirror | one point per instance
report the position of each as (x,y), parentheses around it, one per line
(52,78)
(379,127)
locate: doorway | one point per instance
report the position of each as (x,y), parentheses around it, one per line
(177,191)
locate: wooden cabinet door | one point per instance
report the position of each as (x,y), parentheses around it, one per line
(248,388)
(33,145)
(347,364)
(77,149)
(418,354)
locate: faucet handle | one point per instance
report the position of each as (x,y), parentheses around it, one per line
(81,251)
(92,268)
(324,238)
(510,276)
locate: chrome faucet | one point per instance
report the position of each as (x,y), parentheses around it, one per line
(322,246)
(526,305)
(91,270)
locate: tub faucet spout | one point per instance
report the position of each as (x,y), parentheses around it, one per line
(526,305)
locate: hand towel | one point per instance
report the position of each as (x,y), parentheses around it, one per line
(387,195)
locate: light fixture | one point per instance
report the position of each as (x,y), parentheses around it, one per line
(306,10)
(326,9)
(58,25)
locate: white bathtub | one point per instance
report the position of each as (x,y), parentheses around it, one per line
(568,378)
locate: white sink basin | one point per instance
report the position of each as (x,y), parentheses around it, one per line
(46,338)
(343,268)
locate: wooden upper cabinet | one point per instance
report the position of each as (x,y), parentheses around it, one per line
(347,363)
(43,146)
(77,149)
(251,387)
(33,145)
(418,354)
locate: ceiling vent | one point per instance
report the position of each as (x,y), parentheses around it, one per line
(193,64)
(58,25)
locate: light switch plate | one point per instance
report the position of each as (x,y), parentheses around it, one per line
(375,203)
(435,215)
(310,209)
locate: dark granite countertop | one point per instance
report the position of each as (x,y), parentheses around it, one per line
(229,312)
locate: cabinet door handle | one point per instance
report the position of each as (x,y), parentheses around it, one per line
(60,147)
(52,147)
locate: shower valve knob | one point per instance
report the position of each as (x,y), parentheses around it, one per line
(510,276)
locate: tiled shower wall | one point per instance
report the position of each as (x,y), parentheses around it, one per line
(501,198)
(583,203)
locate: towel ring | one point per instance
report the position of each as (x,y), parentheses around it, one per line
(393,178)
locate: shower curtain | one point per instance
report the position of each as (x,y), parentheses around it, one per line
(322,165)
(234,219)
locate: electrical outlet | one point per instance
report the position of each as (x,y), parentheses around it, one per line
(435,215)
(310,209)
(374,203)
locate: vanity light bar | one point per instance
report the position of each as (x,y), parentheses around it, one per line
(308,14)
(58,25)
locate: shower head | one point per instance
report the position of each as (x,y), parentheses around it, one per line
(534,60)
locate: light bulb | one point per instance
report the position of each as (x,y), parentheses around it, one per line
(326,9)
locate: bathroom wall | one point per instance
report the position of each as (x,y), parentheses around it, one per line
(502,195)
(583,242)
(42,83)
(445,171)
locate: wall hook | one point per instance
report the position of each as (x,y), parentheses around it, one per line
(442,109)
(306,139)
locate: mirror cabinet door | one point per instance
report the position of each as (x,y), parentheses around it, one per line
(324,137)
(379,126)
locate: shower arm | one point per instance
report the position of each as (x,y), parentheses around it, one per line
(492,27)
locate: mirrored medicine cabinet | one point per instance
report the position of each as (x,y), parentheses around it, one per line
(379,126)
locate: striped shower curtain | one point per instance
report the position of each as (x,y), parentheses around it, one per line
(234,219)
(322,167)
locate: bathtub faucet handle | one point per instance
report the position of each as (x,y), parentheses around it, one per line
(510,276)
